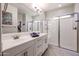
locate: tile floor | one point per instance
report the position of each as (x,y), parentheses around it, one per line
(56,51)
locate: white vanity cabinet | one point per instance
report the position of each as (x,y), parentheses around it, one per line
(20,49)
(41,45)
(34,47)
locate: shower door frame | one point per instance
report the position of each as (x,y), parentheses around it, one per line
(77,18)
(0,29)
(77,32)
(77,15)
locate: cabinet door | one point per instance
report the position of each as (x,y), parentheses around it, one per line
(68,33)
(29,51)
(45,43)
(39,46)
(39,50)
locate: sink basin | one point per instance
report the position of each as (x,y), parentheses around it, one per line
(16,37)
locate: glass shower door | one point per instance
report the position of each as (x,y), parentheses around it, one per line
(68,33)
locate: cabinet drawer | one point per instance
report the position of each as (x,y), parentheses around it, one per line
(39,41)
(40,54)
(15,50)
(30,51)
(39,49)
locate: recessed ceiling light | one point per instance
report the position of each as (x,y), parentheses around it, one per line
(59,5)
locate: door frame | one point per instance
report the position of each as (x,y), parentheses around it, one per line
(0,29)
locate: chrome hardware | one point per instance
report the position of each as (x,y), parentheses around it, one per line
(74,28)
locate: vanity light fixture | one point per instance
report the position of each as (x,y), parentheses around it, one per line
(36,8)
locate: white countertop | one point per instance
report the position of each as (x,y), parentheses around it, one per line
(8,43)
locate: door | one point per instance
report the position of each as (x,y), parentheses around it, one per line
(68,33)
(53,31)
(29,26)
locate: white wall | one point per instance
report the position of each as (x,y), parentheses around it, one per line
(20,17)
(28,17)
(41,17)
(76,7)
(60,11)
(13,28)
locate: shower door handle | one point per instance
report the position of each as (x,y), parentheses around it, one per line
(74,28)
(77,21)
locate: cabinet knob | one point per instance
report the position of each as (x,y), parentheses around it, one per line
(25,54)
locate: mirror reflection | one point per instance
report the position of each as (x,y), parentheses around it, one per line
(16,17)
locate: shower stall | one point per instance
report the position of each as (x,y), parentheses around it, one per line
(63,31)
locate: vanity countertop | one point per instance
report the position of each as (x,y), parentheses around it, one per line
(8,43)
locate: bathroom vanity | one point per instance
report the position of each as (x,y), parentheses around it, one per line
(25,45)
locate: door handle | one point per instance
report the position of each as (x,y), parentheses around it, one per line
(74,28)
(77,21)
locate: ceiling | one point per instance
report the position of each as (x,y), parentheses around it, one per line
(22,8)
(48,6)
(42,6)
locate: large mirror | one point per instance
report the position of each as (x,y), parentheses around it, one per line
(18,22)
(17,17)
